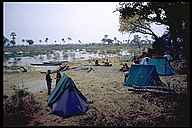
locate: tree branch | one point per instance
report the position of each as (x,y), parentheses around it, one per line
(136,29)
(160,21)
(148,28)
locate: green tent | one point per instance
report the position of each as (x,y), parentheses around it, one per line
(142,76)
(66,100)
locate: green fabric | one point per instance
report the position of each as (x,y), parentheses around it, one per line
(162,65)
(142,75)
(62,85)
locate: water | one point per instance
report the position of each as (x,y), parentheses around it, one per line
(57,55)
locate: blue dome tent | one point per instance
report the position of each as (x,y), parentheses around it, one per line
(162,65)
(142,76)
(66,100)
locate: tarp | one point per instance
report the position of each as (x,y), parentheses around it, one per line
(142,75)
(162,65)
(66,100)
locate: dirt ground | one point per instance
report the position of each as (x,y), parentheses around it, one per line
(111,104)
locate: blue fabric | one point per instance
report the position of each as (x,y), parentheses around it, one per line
(63,83)
(66,100)
(141,75)
(162,65)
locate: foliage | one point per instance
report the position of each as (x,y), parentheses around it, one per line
(79,41)
(46,39)
(137,17)
(13,42)
(63,40)
(136,40)
(6,41)
(30,42)
(69,38)
(107,40)
(105,36)
(19,108)
(13,36)
(136,14)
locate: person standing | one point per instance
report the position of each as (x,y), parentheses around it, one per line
(49,81)
(96,62)
(58,77)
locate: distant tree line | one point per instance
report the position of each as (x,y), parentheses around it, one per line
(136,41)
(12,41)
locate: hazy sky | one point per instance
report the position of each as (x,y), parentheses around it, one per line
(85,21)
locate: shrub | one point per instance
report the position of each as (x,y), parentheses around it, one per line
(19,108)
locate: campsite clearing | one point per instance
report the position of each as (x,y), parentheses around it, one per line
(111,103)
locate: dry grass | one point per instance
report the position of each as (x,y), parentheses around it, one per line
(112,104)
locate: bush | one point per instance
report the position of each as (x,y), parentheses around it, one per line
(180,66)
(19,108)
